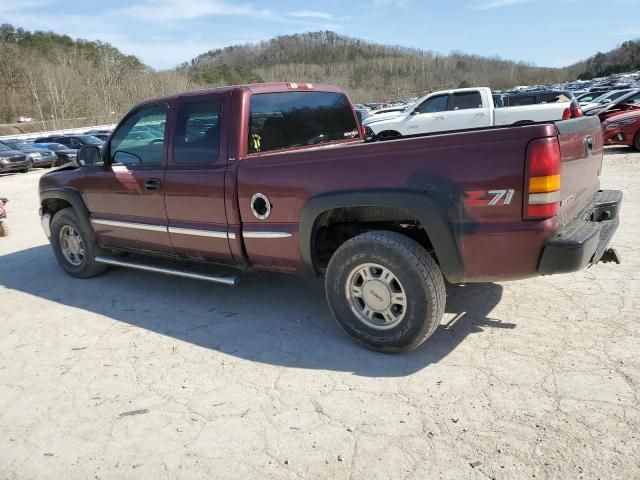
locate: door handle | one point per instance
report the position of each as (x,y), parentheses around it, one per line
(440,118)
(152,184)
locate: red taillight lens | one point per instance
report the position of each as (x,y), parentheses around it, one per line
(566,115)
(543,179)
(577,113)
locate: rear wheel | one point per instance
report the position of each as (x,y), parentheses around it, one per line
(74,247)
(636,140)
(386,291)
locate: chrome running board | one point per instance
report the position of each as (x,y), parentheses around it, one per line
(229,280)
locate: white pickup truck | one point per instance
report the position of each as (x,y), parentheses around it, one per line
(463,108)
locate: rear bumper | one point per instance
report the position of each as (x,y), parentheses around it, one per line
(583,241)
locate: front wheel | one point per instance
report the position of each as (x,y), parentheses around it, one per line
(386,291)
(74,247)
(636,140)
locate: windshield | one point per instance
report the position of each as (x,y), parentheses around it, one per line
(90,140)
(4,148)
(24,146)
(55,146)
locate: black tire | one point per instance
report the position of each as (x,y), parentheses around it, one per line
(389,135)
(418,275)
(636,141)
(88,266)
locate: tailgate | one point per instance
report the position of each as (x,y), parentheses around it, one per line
(581,150)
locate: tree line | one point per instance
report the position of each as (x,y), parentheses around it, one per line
(59,81)
(56,80)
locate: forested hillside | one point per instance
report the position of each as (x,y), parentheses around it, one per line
(625,58)
(64,82)
(56,79)
(368,71)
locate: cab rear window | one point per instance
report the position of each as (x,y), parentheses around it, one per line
(291,119)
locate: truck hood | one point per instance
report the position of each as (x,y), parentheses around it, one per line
(391,118)
(381,116)
(12,153)
(635,114)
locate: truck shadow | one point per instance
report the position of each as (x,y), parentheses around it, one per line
(272,318)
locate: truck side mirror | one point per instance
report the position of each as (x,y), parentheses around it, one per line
(415,112)
(88,156)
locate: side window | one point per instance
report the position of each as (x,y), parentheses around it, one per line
(140,139)
(292,119)
(467,100)
(634,99)
(197,135)
(434,104)
(75,143)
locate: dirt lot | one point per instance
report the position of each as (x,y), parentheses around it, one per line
(135,375)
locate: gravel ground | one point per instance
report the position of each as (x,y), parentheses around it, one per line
(136,375)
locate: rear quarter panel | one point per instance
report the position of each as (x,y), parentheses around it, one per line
(494,242)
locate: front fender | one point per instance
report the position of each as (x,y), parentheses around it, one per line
(72,197)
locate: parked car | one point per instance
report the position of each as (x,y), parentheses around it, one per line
(629,101)
(4,230)
(40,157)
(63,152)
(462,109)
(623,129)
(590,96)
(13,160)
(101,134)
(604,99)
(537,97)
(276,176)
(72,141)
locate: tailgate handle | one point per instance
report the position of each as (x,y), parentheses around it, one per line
(588,145)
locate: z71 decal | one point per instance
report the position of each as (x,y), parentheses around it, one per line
(491,198)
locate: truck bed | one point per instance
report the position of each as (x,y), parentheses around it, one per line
(492,243)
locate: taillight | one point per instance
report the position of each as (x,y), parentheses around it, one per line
(543,188)
(566,115)
(577,113)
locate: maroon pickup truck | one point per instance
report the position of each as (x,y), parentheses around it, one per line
(278,176)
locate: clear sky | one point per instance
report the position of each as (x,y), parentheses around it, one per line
(163,33)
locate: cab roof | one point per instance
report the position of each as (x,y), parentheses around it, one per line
(253,88)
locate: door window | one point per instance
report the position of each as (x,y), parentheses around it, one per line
(466,100)
(197,136)
(434,104)
(141,137)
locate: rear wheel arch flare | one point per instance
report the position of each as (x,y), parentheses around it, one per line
(420,206)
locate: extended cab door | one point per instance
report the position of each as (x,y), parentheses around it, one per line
(468,110)
(195,178)
(429,116)
(125,195)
